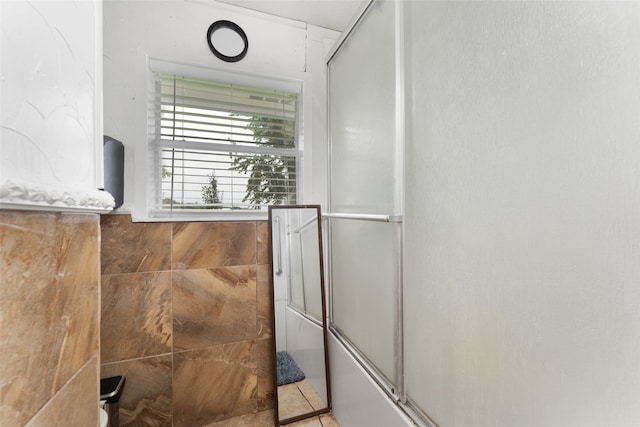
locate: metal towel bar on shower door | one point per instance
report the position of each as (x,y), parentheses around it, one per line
(364,217)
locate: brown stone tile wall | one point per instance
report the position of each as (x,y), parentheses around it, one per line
(186,318)
(49,324)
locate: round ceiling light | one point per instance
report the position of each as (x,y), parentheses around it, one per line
(227,41)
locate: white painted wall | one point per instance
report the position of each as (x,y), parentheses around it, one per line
(523,213)
(51,116)
(176,30)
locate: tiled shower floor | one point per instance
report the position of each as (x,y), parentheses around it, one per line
(293,399)
(324,420)
(266,419)
(299,398)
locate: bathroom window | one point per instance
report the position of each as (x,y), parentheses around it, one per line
(221,147)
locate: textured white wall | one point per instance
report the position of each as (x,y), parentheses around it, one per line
(50,120)
(523,213)
(176,30)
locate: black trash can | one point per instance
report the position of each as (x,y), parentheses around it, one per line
(110,391)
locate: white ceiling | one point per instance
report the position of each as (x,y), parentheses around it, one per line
(333,14)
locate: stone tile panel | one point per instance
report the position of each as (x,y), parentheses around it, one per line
(129,247)
(136,316)
(213,244)
(147,396)
(263,242)
(49,305)
(266,388)
(264,298)
(261,419)
(213,306)
(214,384)
(75,404)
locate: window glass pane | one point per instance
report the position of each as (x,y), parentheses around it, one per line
(204,179)
(224,146)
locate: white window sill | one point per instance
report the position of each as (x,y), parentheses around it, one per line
(207,216)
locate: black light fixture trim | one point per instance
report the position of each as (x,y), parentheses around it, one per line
(235,28)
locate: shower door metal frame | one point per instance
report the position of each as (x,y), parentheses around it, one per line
(397,392)
(394,388)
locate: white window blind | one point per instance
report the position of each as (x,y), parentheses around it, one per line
(221,146)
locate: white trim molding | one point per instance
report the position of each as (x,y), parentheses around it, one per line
(19,195)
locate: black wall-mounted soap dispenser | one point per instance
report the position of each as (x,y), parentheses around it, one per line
(114,169)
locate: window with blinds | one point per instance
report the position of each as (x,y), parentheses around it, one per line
(222,146)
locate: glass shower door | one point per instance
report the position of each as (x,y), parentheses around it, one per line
(365,194)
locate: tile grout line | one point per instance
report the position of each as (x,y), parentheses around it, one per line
(305,397)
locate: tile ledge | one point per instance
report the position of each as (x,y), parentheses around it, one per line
(18,195)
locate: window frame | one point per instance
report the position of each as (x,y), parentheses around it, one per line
(148,152)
